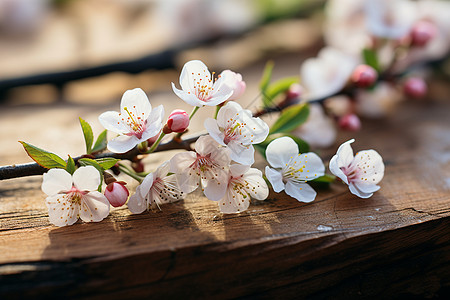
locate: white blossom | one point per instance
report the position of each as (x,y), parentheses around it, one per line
(207,166)
(292,170)
(135,123)
(362,173)
(157,188)
(199,87)
(237,129)
(74,196)
(244,182)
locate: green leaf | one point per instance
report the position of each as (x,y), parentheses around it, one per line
(101,142)
(277,88)
(70,165)
(107,162)
(267,75)
(290,118)
(303,146)
(88,135)
(44,158)
(371,59)
(322,182)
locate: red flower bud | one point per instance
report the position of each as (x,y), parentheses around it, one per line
(178,121)
(415,87)
(364,76)
(422,32)
(295,91)
(350,122)
(116,193)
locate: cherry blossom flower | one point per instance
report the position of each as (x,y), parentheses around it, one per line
(199,87)
(208,165)
(235,82)
(74,196)
(135,123)
(244,182)
(157,188)
(319,130)
(327,73)
(238,130)
(293,170)
(362,173)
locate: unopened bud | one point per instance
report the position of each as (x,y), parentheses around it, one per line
(295,91)
(422,32)
(137,166)
(364,76)
(350,122)
(178,121)
(116,193)
(234,81)
(415,87)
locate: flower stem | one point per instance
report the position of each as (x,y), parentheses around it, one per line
(217,111)
(156,143)
(193,112)
(130,173)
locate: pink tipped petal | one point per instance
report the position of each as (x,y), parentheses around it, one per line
(61,211)
(137,204)
(112,121)
(94,207)
(213,130)
(300,191)
(86,178)
(280,151)
(122,143)
(135,101)
(275,178)
(56,181)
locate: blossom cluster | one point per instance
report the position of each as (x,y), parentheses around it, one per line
(220,164)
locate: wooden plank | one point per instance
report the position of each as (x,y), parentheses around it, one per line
(395,243)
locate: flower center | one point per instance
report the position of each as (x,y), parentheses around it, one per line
(75,195)
(351,172)
(231,132)
(135,123)
(204,85)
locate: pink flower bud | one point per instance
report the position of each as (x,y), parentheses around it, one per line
(422,32)
(116,193)
(178,121)
(415,87)
(364,76)
(350,122)
(234,81)
(295,91)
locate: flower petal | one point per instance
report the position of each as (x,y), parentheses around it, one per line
(355,191)
(112,121)
(334,168)
(61,210)
(300,191)
(136,102)
(188,97)
(122,143)
(188,178)
(309,164)
(163,170)
(242,154)
(215,189)
(234,202)
(345,154)
(193,71)
(227,114)
(213,130)
(86,178)
(154,123)
(238,169)
(144,188)
(137,204)
(94,207)
(275,179)
(371,167)
(280,151)
(256,186)
(56,181)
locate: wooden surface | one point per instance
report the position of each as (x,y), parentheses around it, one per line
(396,243)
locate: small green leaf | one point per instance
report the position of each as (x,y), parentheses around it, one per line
(44,158)
(322,182)
(290,118)
(371,59)
(70,166)
(267,75)
(100,143)
(277,88)
(107,162)
(88,135)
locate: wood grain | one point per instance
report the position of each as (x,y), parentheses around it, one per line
(396,243)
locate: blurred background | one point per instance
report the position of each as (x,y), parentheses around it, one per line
(64,59)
